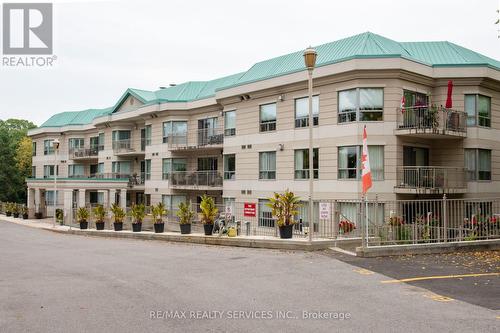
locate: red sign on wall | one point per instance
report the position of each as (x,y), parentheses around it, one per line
(249,209)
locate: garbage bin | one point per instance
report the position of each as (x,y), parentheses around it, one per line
(238,228)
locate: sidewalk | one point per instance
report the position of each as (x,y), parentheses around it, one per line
(268,242)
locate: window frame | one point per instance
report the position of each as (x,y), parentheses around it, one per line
(48,147)
(358,112)
(475,174)
(305,172)
(268,125)
(359,151)
(303,122)
(266,174)
(229,174)
(477,118)
(172,134)
(229,131)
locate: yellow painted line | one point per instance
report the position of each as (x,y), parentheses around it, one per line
(363,271)
(438,298)
(440,277)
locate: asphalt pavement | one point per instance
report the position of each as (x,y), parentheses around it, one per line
(53,282)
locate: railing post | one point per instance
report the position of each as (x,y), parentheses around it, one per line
(445,218)
(335,219)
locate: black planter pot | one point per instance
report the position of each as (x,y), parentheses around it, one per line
(286,231)
(99,225)
(25,216)
(118,226)
(84,225)
(8,213)
(16,214)
(159,227)
(185,228)
(137,227)
(38,215)
(208,229)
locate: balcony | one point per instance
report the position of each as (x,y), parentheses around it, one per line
(208,180)
(126,147)
(84,153)
(207,138)
(430,180)
(431,122)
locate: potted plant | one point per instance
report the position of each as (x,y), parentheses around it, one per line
(208,213)
(15,210)
(60,216)
(118,216)
(284,208)
(185,215)
(158,211)
(82,214)
(8,209)
(138,212)
(99,214)
(24,212)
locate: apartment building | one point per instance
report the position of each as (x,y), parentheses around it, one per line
(242,137)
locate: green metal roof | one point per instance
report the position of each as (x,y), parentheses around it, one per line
(365,45)
(75,117)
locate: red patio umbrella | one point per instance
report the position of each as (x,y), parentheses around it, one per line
(448,98)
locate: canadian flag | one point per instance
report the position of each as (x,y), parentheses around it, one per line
(403,102)
(366,174)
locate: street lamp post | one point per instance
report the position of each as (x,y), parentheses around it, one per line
(55,145)
(310,61)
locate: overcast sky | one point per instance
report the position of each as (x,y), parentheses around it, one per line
(103,47)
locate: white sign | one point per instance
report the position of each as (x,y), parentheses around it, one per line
(229,211)
(324,210)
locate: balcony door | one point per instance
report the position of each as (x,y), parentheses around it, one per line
(207,131)
(414,158)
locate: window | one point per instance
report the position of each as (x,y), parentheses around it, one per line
(302,163)
(76,171)
(302,111)
(49,198)
(172,202)
(207,164)
(303,214)
(209,132)
(229,167)
(94,143)
(33,171)
(48,149)
(173,165)
(230,123)
(267,165)
(365,104)
(100,168)
(265,214)
(121,168)
(268,117)
(101,141)
(478,108)
(75,143)
(349,162)
(175,132)
(33,148)
(147,172)
(148,135)
(121,139)
(48,171)
(478,164)
(96,197)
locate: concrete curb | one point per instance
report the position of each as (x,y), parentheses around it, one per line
(398,250)
(278,244)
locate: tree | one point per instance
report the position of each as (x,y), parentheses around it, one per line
(15,164)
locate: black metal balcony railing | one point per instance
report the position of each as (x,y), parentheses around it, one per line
(195,179)
(210,136)
(81,153)
(432,119)
(431,177)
